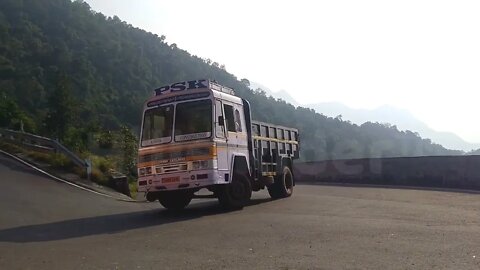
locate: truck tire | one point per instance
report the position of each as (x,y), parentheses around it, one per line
(283,186)
(175,200)
(236,194)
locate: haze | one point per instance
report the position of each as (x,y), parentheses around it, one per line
(422,56)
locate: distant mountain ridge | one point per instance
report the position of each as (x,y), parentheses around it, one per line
(403,119)
(282,94)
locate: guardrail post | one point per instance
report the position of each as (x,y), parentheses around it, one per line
(88,167)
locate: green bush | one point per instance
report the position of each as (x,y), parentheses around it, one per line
(60,161)
(133,189)
(101,167)
(105,139)
(99,177)
(104,164)
(76,139)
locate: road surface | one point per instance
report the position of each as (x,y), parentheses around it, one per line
(49,225)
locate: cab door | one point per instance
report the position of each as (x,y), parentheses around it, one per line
(236,131)
(231,127)
(221,139)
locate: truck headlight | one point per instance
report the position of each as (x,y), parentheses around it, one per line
(196,165)
(202,164)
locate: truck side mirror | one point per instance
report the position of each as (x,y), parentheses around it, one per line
(220,121)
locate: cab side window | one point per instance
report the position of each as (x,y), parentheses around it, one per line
(218,112)
(238,121)
(229,117)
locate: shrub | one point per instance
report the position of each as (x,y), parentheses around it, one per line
(133,189)
(60,161)
(105,139)
(104,164)
(99,177)
(76,139)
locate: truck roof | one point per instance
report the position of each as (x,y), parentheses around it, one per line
(191,90)
(191,85)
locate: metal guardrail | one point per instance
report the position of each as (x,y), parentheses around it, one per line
(43,144)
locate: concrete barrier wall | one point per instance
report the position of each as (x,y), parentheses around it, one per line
(461,172)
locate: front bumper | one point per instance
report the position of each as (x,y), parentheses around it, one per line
(180,180)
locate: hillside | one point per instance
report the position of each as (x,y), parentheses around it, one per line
(60,55)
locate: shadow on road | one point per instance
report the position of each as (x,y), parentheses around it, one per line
(110,224)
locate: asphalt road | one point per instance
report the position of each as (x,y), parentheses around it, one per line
(49,225)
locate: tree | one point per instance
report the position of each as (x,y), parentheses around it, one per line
(246,82)
(8,111)
(129,150)
(60,109)
(12,117)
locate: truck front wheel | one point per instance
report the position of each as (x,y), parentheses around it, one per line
(236,194)
(175,200)
(283,185)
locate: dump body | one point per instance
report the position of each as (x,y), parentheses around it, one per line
(273,146)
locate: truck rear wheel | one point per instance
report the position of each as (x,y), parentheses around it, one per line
(283,185)
(175,200)
(236,194)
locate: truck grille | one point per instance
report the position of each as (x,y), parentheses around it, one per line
(168,156)
(180,167)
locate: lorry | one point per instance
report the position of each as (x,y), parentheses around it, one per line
(199,135)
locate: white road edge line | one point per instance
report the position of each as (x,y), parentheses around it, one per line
(59,179)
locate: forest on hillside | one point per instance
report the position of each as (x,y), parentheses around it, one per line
(68,72)
(474,152)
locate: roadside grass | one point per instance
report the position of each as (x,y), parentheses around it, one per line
(102,166)
(10,148)
(55,160)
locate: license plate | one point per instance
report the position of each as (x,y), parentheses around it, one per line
(171,179)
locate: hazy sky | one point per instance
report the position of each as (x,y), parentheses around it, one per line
(423,56)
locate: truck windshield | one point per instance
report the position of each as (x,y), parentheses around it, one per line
(157,126)
(193,120)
